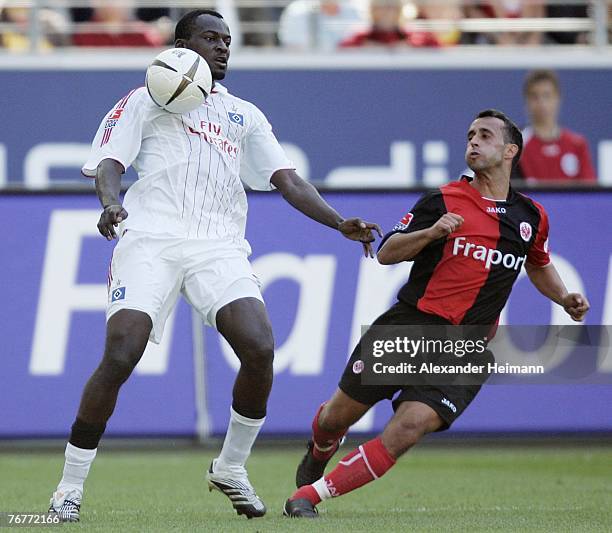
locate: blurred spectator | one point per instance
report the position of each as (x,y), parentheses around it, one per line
(117,28)
(610,23)
(570,11)
(320,24)
(550,152)
(253,15)
(450,10)
(507,9)
(53,28)
(387,29)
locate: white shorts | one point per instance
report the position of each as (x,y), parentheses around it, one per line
(148,273)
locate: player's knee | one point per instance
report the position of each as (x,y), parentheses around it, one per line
(123,350)
(332,420)
(402,434)
(115,371)
(259,356)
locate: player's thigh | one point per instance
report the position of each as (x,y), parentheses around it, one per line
(411,420)
(351,381)
(221,286)
(145,276)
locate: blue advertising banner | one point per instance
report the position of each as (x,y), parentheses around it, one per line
(347,127)
(319,291)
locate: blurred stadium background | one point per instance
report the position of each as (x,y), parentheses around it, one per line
(372,126)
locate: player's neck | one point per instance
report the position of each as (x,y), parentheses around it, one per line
(492,185)
(547,131)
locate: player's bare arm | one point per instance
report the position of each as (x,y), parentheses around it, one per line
(305,198)
(108,188)
(547,280)
(405,246)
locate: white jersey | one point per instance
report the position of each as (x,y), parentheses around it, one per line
(190,166)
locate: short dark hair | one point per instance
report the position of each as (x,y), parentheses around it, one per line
(185,27)
(512,133)
(537,76)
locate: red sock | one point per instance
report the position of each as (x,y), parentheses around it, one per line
(307,492)
(367,463)
(325,441)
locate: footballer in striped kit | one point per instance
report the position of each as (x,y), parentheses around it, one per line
(182,232)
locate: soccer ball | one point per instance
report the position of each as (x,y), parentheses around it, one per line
(179,80)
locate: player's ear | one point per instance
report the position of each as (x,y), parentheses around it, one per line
(511,150)
(179,43)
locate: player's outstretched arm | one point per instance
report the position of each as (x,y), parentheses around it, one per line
(108,188)
(305,198)
(547,280)
(405,246)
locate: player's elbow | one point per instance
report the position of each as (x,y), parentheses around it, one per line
(384,257)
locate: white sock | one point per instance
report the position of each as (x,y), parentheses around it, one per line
(321,487)
(239,439)
(76,468)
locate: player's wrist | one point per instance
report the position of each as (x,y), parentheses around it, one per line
(430,234)
(110,204)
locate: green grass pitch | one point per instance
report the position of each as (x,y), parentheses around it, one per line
(430,489)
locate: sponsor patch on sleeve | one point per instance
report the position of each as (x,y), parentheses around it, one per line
(404,222)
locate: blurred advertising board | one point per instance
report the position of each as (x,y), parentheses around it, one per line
(345,127)
(319,291)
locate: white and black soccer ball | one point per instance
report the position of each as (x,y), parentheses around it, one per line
(179,80)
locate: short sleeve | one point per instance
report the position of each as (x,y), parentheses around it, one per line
(538,254)
(425,213)
(119,135)
(262,155)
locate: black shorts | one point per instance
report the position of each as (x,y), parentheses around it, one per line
(449,401)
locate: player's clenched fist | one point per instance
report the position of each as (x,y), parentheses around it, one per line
(446,224)
(576,306)
(109,219)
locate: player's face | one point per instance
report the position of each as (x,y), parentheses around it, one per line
(543,102)
(211,39)
(485,146)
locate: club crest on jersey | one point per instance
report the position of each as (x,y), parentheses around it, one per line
(404,222)
(118,294)
(236,118)
(525,230)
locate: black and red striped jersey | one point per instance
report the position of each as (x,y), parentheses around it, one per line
(467,276)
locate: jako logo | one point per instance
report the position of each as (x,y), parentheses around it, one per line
(449,404)
(496,209)
(333,491)
(486,255)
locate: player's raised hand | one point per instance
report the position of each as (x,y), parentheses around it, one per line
(576,306)
(446,224)
(109,219)
(356,229)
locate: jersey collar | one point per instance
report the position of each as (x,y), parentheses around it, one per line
(218,88)
(466,180)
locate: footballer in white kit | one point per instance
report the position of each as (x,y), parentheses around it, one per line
(182,231)
(191,169)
